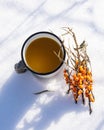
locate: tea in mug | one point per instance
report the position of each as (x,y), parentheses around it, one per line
(41,55)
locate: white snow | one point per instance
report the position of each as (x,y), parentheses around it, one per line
(19,108)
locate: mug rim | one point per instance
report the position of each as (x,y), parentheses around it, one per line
(43,32)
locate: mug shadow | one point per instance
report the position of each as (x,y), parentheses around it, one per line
(17,99)
(51,107)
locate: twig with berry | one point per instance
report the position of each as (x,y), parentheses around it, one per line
(79,75)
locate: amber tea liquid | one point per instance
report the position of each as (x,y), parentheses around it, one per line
(40,55)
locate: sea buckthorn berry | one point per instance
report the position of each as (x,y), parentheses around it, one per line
(74,89)
(89,72)
(70,81)
(91,80)
(83,71)
(74,76)
(80,92)
(86,83)
(80,82)
(73,83)
(81,77)
(91,98)
(65,70)
(88,77)
(76,79)
(84,76)
(89,87)
(76,62)
(81,86)
(67,81)
(65,74)
(87,93)
(79,74)
(81,68)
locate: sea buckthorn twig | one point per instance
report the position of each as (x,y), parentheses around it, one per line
(80,79)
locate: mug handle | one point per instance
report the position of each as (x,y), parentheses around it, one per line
(20,67)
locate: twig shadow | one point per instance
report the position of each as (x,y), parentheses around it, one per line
(52,109)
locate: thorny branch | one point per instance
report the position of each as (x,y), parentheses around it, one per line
(80,79)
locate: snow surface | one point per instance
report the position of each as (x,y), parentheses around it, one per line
(19,108)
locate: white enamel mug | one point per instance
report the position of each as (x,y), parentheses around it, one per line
(36,36)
